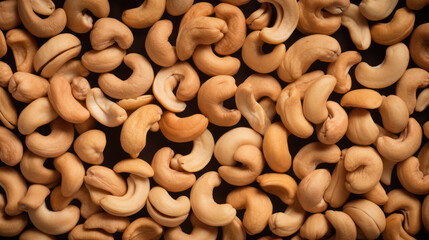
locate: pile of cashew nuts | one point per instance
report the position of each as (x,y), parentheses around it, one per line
(327,150)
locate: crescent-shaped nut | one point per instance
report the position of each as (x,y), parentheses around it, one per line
(24,47)
(104,110)
(358,27)
(72,69)
(340,70)
(362,98)
(104,178)
(411,177)
(255,58)
(168,206)
(203,204)
(313,154)
(42,28)
(5,73)
(229,142)
(281,185)
(200,230)
(132,104)
(333,129)
(9,16)
(108,31)
(368,217)
(33,169)
(34,197)
(145,15)
(399,28)
(364,168)
(78,20)
(162,219)
(184,129)
(260,18)
(234,230)
(56,143)
(157,46)
(422,101)
(209,63)
(15,187)
(132,201)
(257,204)
(11,147)
(143,227)
(345,228)
(134,166)
(103,61)
(394,114)
(394,228)
(304,52)
(289,222)
(418,45)
(362,129)
(89,146)
(201,154)
(276,148)
(417,4)
(199,9)
(407,86)
(213,92)
(26,87)
(166,80)
(285,23)
(316,226)
(72,173)
(38,113)
(80,232)
(388,72)
(199,30)
(170,179)
(377,10)
(311,190)
(3,45)
(337,194)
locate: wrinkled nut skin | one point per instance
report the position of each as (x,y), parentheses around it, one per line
(157,46)
(78,20)
(335,126)
(418,46)
(311,190)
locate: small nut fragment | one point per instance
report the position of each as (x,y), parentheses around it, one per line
(26,87)
(8,113)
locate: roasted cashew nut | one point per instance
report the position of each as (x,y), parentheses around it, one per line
(276,148)
(36,114)
(157,46)
(211,64)
(362,98)
(358,27)
(260,18)
(311,190)
(335,126)
(103,61)
(26,87)
(340,70)
(9,16)
(281,185)
(89,146)
(184,129)
(145,15)
(362,129)
(24,47)
(15,187)
(33,169)
(5,73)
(412,178)
(104,110)
(418,45)
(377,10)
(11,148)
(287,223)
(343,224)
(108,31)
(316,226)
(407,86)
(78,20)
(394,114)
(106,180)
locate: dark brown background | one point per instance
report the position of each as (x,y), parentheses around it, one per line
(113,152)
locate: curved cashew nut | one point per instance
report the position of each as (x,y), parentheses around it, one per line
(304,52)
(407,86)
(9,16)
(157,46)
(313,154)
(394,114)
(11,148)
(34,233)
(132,104)
(72,173)
(418,44)
(340,70)
(10,226)
(281,185)
(108,31)
(422,101)
(234,230)
(135,166)
(316,226)
(103,61)
(394,228)
(26,87)
(145,227)
(78,20)
(184,129)
(377,10)
(362,129)
(24,47)
(42,28)
(377,195)
(72,69)
(213,92)
(260,18)
(287,223)
(89,146)
(15,187)
(343,224)
(362,98)
(80,232)
(335,126)
(209,63)
(199,9)
(56,143)
(255,58)
(105,179)
(276,149)
(33,169)
(337,194)
(104,110)
(107,222)
(5,73)
(35,196)
(201,154)
(8,113)
(200,231)
(38,113)
(412,178)
(182,74)
(145,15)
(358,27)
(311,190)
(388,72)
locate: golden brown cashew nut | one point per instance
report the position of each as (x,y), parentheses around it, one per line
(103,61)
(26,87)
(15,187)
(281,185)
(62,100)
(388,72)
(203,204)
(404,146)
(56,143)
(10,226)
(184,129)
(178,7)
(368,217)
(34,233)
(313,154)
(157,46)
(201,154)
(345,228)
(362,129)
(409,205)
(9,16)
(79,232)
(78,20)
(340,70)
(316,226)
(72,173)
(260,18)
(276,149)
(412,178)
(135,166)
(394,228)
(145,15)
(314,17)
(287,223)
(34,197)
(11,148)
(33,169)
(137,84)
(255,58)
(72,69)
(257,204)
(213,92)
(24,47)
(377,10)
(337,194)
(422,101)
(104,110)
(362,98)
(135,128)
(255,87)
(80,88)
(394,114)
(407,86)
(104,178)
(311,190)
(108,31)
(358,27)
(143,228)
(89,146)
(3,45)
(200,231)
(377,195)
(335,126)
(132,104)
(197,10)
(418,45)
(304,52)
(209,63)
(170,179)
(285,23)
(196,31)
(234,230)
(5,73)
(166,80)
(399,28)
(36,114)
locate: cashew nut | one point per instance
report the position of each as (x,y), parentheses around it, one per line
(412,178)
(15,187)
(36,114)
(281,185)
(104,110)
(311,190)
(289,222)
(24,47)
(78,20)
(337,194)
(108,31)
(358,27)
(407,86)
(362,98)
(33,169)
(316,226)
(335,126)
(418,45)
(362,129)
(11,148)
(5,73)
(10,226)
(145,15)
(276,148)
(374,10)
(103,61)
(260,18)
(340,70)
(343,224)
(209,63)
(184,129)
(157,46)
(26,87)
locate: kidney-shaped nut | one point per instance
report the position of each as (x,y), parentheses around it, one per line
(335,126)
(345,228)
(257,204)
(407,86)
(213,92)
(368,217)
(56,143)
(78,20)
(143,228)
(316,226)
(197,10)
(200,230)
(201,154)
(145,15)
(166,80)
(260,18)
(80,232)
(276,149)
(388,72)
(35,196)
(281,185)
(311,190)
(394,114)
(11,148)
(135,128)
(203,204)
(34,233)
(33,169)
(422,101)
(24,47)
(72,173)
(255,58)
(184,129)
(166,211)
(9,16)
(157,46)
(135,166)
(313,154)
(89,146)
(304,52)
(289,222)
(62,100)
(358,27)
(340,70)
(362,98)
(26,87)
(209,63)
(104,110)
(72,69)
(5,73)
(103,61)
(170,179)
(304,82)
(108,31)
(377,10)
(38,113)
(15,187)
(105,179)
(418,45)
(362,129)
(411,177)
